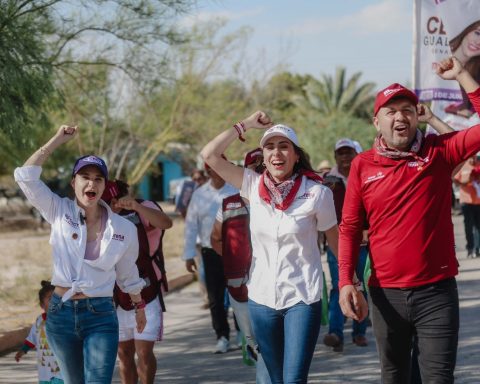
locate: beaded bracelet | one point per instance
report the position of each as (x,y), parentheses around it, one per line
(240,128)
(140,305)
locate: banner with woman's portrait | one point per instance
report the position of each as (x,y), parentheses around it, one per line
(444,28)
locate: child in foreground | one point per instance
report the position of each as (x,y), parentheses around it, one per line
(48,369)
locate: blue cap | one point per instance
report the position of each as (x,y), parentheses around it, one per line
(90,160)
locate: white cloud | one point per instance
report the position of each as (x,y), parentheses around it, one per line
(202,17)
(388,15)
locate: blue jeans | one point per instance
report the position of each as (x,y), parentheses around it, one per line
(83,335)
(335,314)
(286,338)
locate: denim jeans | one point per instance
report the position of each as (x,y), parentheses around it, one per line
(335,314)
(215,284)
(431,314)
(83,335)
(286,338)
(243,319)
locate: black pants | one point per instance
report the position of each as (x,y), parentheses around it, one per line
(215,283)
(431,314)
(471,218)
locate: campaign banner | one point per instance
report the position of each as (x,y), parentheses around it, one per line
(443,28)
(183,196)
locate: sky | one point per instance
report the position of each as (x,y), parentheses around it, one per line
(315,36)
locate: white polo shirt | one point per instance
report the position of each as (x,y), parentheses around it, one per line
(286,267)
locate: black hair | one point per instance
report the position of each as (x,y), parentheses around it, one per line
(122,188)
(47,287)
(303,160)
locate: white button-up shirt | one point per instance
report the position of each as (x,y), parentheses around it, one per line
(201,213)
(286,266)
(68,237)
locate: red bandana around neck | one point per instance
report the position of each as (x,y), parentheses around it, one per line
(284,193)
(384,150)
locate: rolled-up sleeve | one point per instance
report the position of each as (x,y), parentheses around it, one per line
(128,278)
(36,192)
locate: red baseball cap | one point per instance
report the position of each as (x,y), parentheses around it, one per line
(252,156)
(393,90)
(111,191)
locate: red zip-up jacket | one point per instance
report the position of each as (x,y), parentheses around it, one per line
(408,209)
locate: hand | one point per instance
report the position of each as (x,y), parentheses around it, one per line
(141,320)
(65,133)
(19,355)
(259,120)
(353,303)
(424,113)
(126,202)
(449,69)
(191,265)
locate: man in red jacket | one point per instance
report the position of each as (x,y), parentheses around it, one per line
(401,187)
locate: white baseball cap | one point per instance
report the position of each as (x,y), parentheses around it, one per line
(280,130)
(345,143)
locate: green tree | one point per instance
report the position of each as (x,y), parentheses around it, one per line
(26,83)
(338,95)
(333,108)
(45,46)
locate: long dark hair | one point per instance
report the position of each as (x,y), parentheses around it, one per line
(47,287)
(303,160)
(473,64)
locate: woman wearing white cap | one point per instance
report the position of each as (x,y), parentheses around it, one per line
(288,207)
(92,248)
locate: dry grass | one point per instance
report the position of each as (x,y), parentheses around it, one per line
(26,260)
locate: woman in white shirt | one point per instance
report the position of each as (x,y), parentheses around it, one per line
(92,248)
(288,207)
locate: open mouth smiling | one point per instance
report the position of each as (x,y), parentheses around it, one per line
(91,195)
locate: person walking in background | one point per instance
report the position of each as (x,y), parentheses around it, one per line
(201,213)
(401,187)
(92,248)
(288,207)
(231,239)
(468,180)
(47,365)
(151,223)
(336,180)
(185,189)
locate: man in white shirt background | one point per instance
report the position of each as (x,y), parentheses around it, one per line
(199,222)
